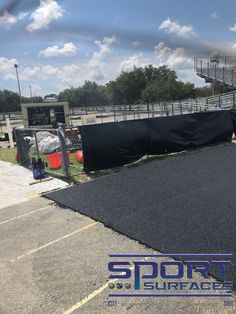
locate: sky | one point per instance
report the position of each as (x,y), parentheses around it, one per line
(61,44)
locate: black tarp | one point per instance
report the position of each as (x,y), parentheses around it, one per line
(233,118)
(23,146)
(115,144)
(178,133)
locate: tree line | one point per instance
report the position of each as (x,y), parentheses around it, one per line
(141,85)
(10,101)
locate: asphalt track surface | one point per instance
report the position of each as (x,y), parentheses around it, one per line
(180,204)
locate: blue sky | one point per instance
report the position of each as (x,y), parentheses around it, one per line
(60,44)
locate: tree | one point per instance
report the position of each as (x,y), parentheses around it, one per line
(90,94)
(9,101)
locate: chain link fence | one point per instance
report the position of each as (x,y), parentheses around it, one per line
(105,114)
(57,148)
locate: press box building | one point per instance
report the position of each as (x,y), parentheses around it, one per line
(45,114)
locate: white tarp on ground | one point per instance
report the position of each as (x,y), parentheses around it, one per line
(47,142)
(15,186)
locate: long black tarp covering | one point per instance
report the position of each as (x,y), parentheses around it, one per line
(118,143)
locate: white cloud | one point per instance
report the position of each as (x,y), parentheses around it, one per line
(161,51)
(214,15)
(22,15)
(7,68)
(48,11)
(104,45)
(69,73)
(49,70)
(178,60)
(175,59)
(8,19)
(97,62)
(173,27)
(29,73)
(233,28)
(133,61)
(38,73)
(97,74)
(64,76)
(69,49)
(234,47)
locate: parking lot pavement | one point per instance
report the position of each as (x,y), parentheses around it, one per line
(53,260)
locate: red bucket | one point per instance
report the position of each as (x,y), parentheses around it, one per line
(55,160)
(79,156)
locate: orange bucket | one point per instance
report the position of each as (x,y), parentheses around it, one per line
(55,160)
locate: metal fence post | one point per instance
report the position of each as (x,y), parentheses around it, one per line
(114,113)
(167,110)
(61,135)
(125,115)
(148,110)
(180,108)
(36,144)
(101,113)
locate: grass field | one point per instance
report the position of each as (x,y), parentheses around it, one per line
(8,154)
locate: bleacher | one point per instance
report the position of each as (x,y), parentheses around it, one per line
(217,70)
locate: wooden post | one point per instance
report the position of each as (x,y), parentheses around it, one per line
(9,131)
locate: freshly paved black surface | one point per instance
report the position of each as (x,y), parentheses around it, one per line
(181,204)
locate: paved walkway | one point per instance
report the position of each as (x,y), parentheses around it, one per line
(15,186)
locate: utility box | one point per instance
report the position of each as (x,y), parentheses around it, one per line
(45,114)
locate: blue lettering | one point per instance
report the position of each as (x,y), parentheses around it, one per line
(137,272)
(180,270)
(202,267)
(112,267)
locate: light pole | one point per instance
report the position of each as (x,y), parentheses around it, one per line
(31,97)
(18,82)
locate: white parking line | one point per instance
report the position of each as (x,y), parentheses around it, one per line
(95,293)
(53,242)
(89,297)
(25,215)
